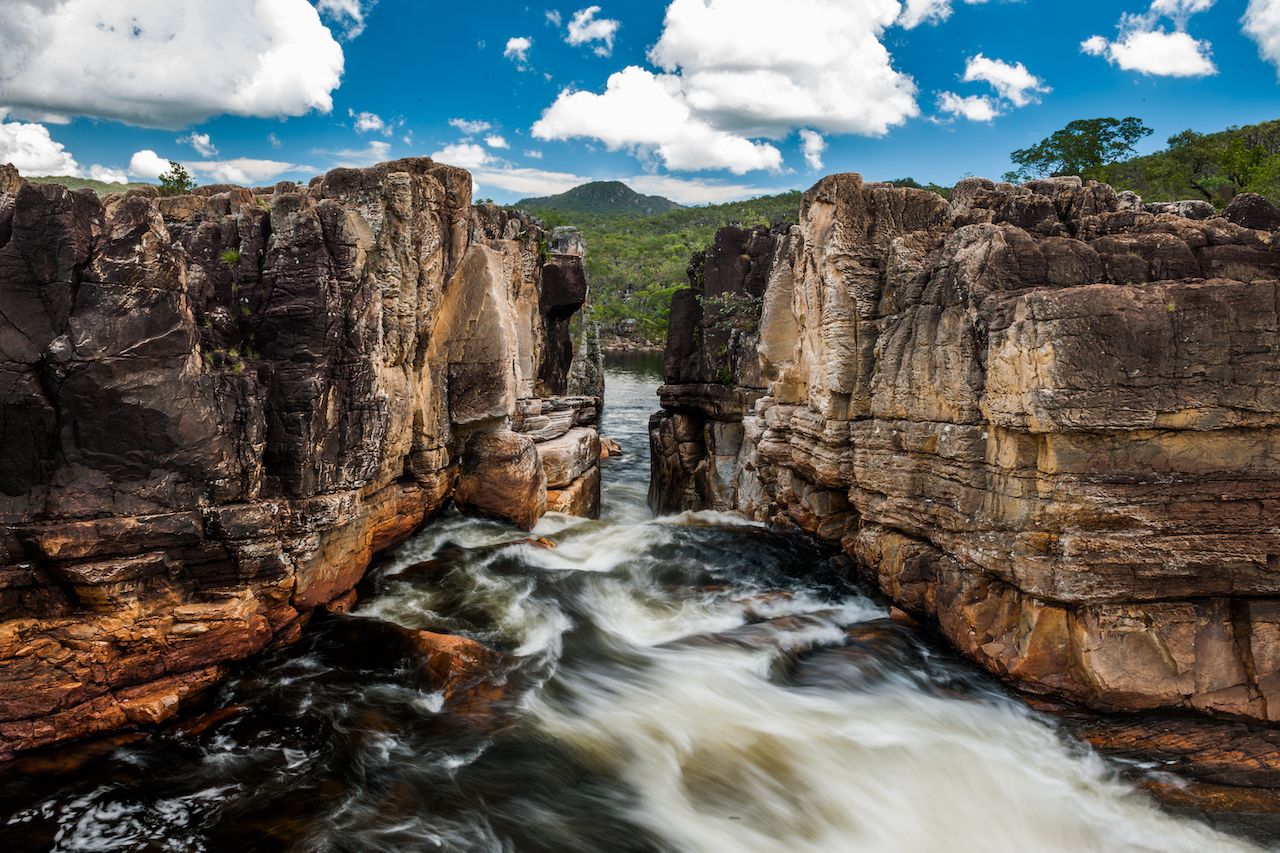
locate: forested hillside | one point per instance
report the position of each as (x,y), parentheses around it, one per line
(635,263)
(1209,166)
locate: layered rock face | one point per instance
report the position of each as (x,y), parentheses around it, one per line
(216,408)
(1045,417)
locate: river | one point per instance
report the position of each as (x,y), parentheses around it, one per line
(693,683)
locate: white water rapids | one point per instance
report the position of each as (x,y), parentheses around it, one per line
(694,683)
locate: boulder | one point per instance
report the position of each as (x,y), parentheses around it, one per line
(580,498)
(1251,210)
(502,478)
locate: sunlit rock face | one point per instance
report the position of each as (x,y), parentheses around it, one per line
(1045,416)
(216,408)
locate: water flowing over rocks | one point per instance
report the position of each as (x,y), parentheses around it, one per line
(1045,417)
(216,408)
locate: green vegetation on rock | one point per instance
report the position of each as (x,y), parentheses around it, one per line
(635,263)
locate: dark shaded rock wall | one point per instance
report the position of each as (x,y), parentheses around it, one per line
(1044,417)
(215,408)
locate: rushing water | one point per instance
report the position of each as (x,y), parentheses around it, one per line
(682,684)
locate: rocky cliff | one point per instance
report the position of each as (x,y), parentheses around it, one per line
(1045,418)
(216,408)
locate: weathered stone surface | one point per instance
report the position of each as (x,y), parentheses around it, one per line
(580,498)
(216,408)
(1253,211)
(567,458)
(1044,417)
(502,478)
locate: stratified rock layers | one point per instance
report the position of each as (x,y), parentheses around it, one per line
(216,408)
(1044,417)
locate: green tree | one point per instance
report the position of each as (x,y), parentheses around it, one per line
(176,181)
(1084,147)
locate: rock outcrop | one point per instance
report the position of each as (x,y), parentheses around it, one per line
(216,408)
(1043,417)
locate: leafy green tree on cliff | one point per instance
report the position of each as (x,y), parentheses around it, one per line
(176,181)
(1084,148)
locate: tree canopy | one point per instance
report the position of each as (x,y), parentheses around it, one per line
(176,181)
(1084,147)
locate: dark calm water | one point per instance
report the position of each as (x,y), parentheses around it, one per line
(680,684)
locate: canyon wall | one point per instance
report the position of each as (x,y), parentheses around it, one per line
(215,409)
(1044,418)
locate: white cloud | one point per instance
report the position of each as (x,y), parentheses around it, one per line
(1147,46)
(971,107)
(470,128)
(369,122)
(350,13)
(724,87)
(917,12)
(554,18)
(694,191)
(201,142)
(108,175)
(586,28)
(34,151)
(1262,24)
(275,141)
(244,171)
(466,155)
(641,110)
(148,165)
(1014,83)
(518,49)
(372,154)
(496,141)
(527,182)
(533,154)
(813,146)
(160,63)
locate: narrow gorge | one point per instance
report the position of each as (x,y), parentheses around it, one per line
(325,525)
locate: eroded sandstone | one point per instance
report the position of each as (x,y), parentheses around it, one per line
(1046,417)
(216,408)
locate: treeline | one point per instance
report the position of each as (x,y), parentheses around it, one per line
(1214,167)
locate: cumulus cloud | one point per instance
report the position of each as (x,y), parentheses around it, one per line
(1262,24)
(971,107)
(527,182)
(496,141)
(642,110)
(170,64)
(245,171)
(723,89)
(148,165)
(517,49)
(367,122)
(347,13)
(533,154)
(554,18)
(1013,82)
(201,142)
(813,146)
(108,175)
(467,155)
(586,28)
(917,12)
(31,148)
(1149,45)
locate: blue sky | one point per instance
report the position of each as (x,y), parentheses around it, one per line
(717,103)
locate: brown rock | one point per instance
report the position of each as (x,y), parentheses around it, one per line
(502,478)
(567,458)
(580,498)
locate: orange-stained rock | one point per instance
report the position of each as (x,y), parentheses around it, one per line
(502,478)
(580,498)
(239,403)
(469,674)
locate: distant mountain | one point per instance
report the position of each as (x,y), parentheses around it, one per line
(611,198)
